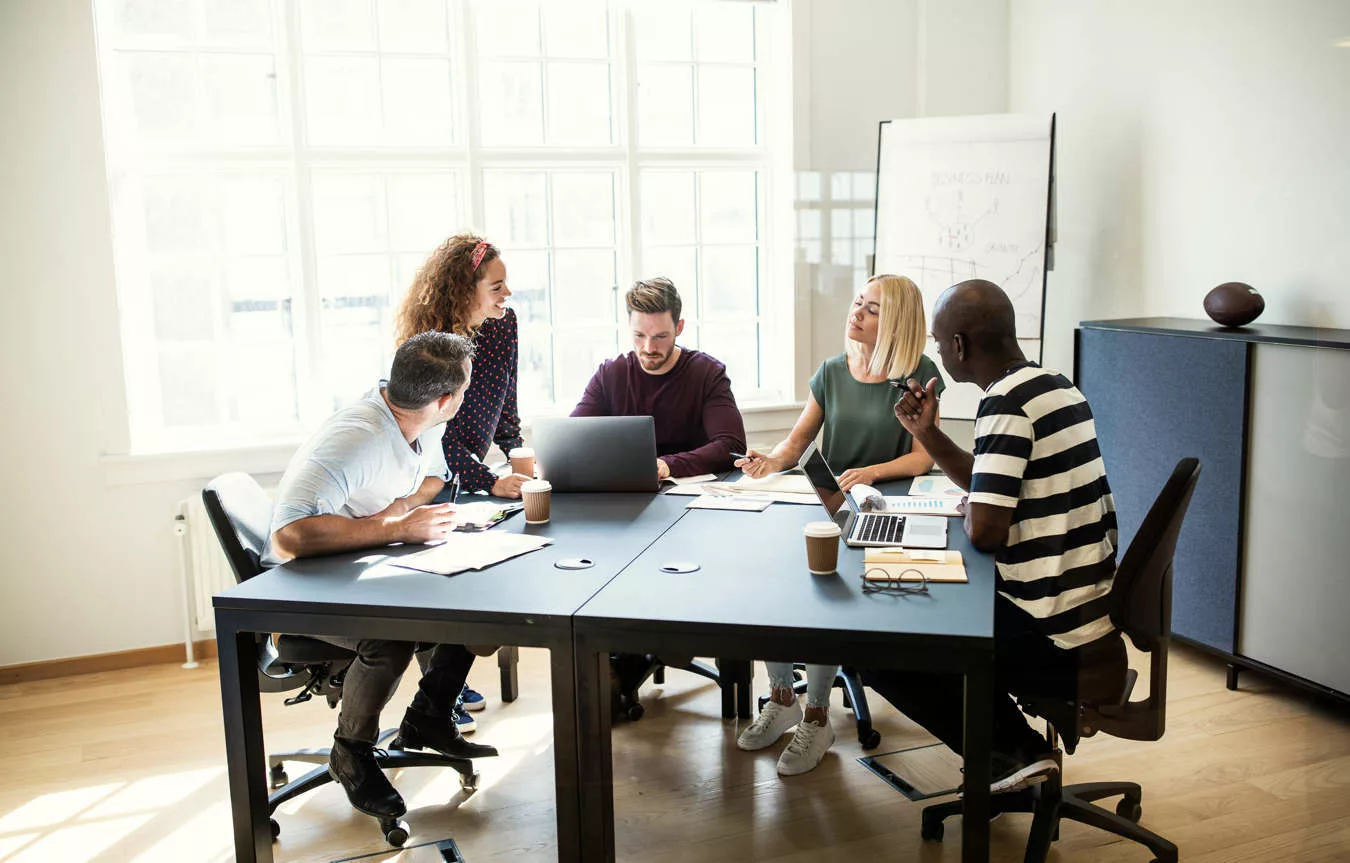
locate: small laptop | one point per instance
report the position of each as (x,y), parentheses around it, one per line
(869,529)
(597,453)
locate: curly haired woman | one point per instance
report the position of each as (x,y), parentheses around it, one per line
(462,289)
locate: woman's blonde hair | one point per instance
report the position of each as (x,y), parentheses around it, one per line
(902,330)
(442,295)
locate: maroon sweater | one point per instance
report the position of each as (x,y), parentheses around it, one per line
(698,425)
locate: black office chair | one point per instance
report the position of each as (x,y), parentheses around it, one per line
(1141,608)
(241,514)
(628,671)
(855,699)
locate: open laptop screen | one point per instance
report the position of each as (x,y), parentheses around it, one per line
(822,480)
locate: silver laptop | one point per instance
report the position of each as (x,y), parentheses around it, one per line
(597,453)
(870,529)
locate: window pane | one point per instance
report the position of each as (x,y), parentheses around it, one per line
(259,292)
(423,211)
(730,281)
(680,265)
(338,25)
(808,224)
(516,208)
(527,276)
(507,28)
(726,106)
(237,23)
(354,361)
(413,26)
(583,288)
(262,382)
(177,215)
(187,387)
(183,303)
(583,209)
(727,207)
(511,103)
(663,32)
(349,214)
(164,18)
(737,346)
(343,99)
(417,101)
(252,213)
(667,207)
(163,90)
(665,106)
(576,29)
(241,98)
(579,352)
(579,104)
(725,32)
(534,379)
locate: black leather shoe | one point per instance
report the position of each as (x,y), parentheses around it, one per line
(424,731)
(354,767)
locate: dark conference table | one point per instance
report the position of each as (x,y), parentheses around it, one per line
(752,598)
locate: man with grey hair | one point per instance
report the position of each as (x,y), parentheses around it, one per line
(367,478)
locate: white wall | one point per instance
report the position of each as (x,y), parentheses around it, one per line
(1198,143)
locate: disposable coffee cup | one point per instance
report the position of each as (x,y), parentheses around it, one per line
(536,493)
(822,547)
(522,460)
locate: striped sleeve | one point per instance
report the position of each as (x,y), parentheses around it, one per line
(1003,439)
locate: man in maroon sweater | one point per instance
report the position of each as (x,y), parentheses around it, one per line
(686,392)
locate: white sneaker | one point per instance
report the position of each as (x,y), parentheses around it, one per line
(808,745)
(1033,774)
(772,721)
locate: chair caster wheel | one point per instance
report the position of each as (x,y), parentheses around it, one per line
(395,831)
(1129,809)
(274,827)
(469,783)
(395,745)
(634,712)
(761,701)
(276,777)
(870,740)
(931,830)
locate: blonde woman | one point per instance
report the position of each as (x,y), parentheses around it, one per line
(853,402)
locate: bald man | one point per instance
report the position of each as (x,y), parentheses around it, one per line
(1038,498)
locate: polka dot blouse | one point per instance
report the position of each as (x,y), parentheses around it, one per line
(489,414)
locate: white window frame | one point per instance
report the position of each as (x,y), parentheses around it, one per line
(296,158)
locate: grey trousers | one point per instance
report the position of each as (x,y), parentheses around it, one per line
(374,675)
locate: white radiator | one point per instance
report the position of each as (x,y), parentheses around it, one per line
(206,571)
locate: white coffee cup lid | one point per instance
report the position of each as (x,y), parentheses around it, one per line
(821,528)
(531,486)
(520,452)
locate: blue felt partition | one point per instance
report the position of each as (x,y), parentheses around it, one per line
(1157,399)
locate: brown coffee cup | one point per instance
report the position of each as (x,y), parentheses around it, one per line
(822,547)
(536,493)
(522,460)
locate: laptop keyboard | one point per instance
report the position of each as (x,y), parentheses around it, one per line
(879,528)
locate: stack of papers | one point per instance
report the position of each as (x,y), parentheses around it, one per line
(462,551)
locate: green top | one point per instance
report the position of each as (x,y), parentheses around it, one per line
(860,424)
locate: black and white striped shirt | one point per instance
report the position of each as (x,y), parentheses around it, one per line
(1036,453)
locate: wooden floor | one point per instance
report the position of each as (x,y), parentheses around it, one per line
(128,766)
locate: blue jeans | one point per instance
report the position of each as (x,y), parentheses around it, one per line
(819,680)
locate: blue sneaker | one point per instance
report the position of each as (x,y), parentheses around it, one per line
(463,721)
(471,700)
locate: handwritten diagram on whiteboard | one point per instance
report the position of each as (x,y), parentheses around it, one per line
(963,198)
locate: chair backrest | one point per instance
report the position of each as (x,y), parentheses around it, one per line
(1141,606)
(241,513)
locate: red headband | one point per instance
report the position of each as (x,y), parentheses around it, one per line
(479,251)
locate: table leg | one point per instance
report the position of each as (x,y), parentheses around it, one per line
(595,758)
(245,757)
(567,787)
(978,743)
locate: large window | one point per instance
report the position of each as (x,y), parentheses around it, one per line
(280,169)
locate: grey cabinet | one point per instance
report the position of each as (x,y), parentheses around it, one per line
(1262,570)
